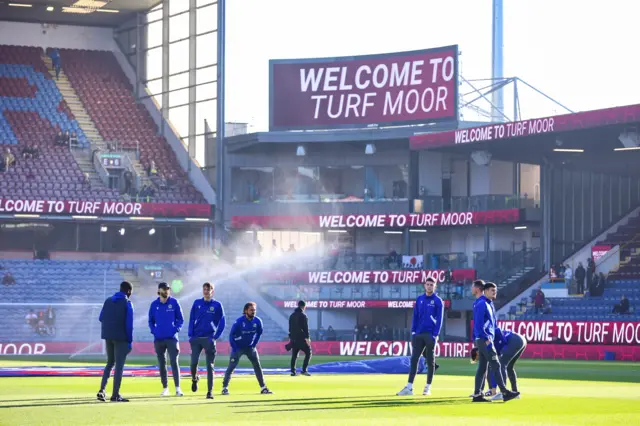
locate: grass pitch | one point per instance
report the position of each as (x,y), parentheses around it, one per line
(553,393)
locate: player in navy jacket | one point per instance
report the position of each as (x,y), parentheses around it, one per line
(243,338)
(206,324)
(425,329)
(509,346)
(484,323)
(165,322)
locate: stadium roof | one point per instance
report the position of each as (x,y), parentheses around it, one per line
(389,134)
(82,12)
(589,140)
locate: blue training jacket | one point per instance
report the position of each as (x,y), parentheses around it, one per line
(116,317)
(245,333)
(484,319)
(501,339)
(427,315)
(206,319)
(165,319)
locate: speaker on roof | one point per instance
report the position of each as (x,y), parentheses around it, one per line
(481,158)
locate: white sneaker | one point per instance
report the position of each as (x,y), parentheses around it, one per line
(165,392)
(427,390)
(405,392)
(517,397)
(497,397)
(179,392)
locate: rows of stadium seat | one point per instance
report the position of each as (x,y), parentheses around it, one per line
(87,282)
(107,96)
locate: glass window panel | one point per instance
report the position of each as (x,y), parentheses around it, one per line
(154,63)
(179,118)
(156,13)
(200,141)
(205,111)
(179,57)
(179,97)
(154,34)
(177,6)
(209,90)
(206,50)
(200,3)
(155,89)
(252,184)
(179,27)
(206,19)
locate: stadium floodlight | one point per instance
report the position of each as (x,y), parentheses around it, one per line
(568,150)
(301,151)
(393,232)
(337,231)
(519,227)
(103,228)
(418,230)
(370,149)
(20,5)
(49,8)
(152,231)
(121,231)
(630,148)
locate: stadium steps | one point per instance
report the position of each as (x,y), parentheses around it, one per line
(130,276)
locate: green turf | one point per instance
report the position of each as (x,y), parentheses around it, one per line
(554,392)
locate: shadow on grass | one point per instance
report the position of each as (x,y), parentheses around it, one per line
(365,403)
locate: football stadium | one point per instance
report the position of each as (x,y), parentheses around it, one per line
(399,243)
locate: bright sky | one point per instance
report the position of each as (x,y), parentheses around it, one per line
(583,54)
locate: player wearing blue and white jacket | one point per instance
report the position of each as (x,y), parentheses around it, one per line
(425,329)
(243,338)
(165,322)
(509,346)
(484,324)
(206,324)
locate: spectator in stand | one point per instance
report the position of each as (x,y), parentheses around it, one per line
(50,320)
(8,279)
(59,140)
(622,307)
(26,152)
(2,167)
(322,334)
(599,284)
(568,276)
(591,265)
(67,138)
(9,159)
(171,181)
(128,182)
(356,333)
(73,140)
(365,333)
(331,334)
(152,170)
(581,274)
(539,301)
(54,54)
(31,319)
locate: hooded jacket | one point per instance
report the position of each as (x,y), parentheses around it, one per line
(484,319)
(117,318)
(298,326)
(165,319)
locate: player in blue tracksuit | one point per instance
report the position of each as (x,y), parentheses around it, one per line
(206,324)
(243,338)
(117,331)
(509,346)
(165,322)
(484,324)
(425,329)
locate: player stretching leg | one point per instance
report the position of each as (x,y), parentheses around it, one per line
(244,336)
(425,328)
(206,324)
(510,347)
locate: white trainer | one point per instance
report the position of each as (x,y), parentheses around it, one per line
(179,392)
(405,392)
(427,390)
(165,392)
(497,397)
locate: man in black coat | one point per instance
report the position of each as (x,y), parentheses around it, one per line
(299,335)
(580,274)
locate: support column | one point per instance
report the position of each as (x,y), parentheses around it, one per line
(192,80)
(487,241)
(545,204)
(165,66)
(220,133)
(140,52)
(406,239)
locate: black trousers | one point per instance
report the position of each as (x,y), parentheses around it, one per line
(234,359)
(295,350)
(199,344)
(162,347)
(420,343)
(117,352)
(487,358)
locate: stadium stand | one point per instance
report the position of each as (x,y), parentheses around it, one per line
(108,98)
(87,283)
